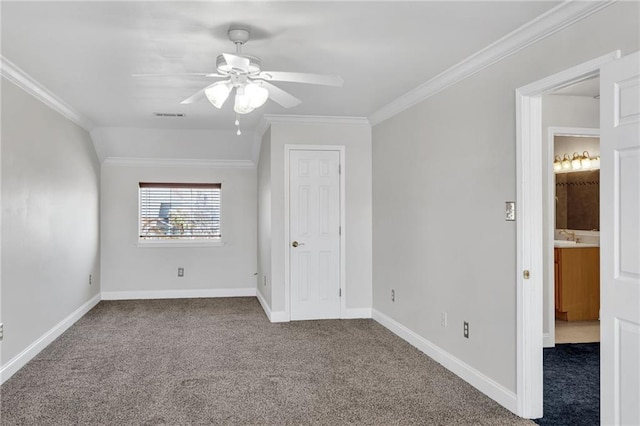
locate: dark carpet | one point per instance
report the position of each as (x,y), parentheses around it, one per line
(571,385)
(220,362)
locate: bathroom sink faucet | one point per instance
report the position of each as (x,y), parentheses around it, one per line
(571,235)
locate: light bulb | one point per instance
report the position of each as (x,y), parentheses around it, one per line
(557,164)
(576,163)
(258,95)
(595,163)
(218,93)
(243,102)
(566,162)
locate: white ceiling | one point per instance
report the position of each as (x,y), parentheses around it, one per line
(85,52)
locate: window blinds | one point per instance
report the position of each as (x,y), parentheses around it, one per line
(183,211)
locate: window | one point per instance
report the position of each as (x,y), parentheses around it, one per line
(179,212)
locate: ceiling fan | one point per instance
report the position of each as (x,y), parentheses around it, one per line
(252,85)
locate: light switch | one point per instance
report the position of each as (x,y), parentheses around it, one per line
(510,210)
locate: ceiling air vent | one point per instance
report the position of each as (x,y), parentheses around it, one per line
(168,114)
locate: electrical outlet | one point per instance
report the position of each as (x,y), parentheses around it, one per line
(181,272)
(1,331)
(466,329)
(393,295)
(89,279)
(443,319)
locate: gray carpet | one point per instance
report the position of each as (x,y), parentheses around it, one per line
(220,362)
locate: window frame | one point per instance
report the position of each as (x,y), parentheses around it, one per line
(179,242)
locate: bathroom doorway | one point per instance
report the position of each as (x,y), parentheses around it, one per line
(573,251)
(572,254)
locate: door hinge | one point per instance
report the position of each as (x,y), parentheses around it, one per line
(339,169)
(526,274)
(339,292)
(339,230)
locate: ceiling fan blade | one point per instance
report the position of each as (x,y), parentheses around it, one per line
(281,97)
(237,62)
(302,77)
(191,74)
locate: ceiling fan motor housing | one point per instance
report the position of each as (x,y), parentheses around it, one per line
(224,68)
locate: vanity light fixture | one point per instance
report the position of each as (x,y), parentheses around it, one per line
(578,162)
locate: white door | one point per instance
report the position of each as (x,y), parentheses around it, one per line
(314,230)
(620,241)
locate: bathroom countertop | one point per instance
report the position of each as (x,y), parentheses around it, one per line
(572,244)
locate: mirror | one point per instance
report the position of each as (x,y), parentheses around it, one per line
(577,191)
(578,200)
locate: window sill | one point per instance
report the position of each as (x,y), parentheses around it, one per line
(181,243)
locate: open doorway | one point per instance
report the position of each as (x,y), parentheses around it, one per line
(531,228)
(571,384)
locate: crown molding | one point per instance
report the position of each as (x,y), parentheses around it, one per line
(550,22)
(173,162)
(17,76)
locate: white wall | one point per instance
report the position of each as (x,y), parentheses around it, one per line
(131,269)
(559,111)
(121,142)
(264,219)
(442,171)
(50,229)
(570,144)
(356,138)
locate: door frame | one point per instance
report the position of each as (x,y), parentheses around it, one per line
(549,340)
(287,267)
(529,242)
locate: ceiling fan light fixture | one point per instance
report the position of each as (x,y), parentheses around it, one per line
(218,93)
(243,102)
(258,95)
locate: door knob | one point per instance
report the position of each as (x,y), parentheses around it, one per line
(296,244)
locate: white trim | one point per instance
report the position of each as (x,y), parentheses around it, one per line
(179,294)
(178,243)
(275,316)
(353,313)
(343,221)
(549,339)
(279,316)
(175,162)
(561,16)
(264,304)
(529,246)
(475,378)
(17,76)
(20,360)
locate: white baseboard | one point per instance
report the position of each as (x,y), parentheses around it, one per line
(178,294)
(274,316)
(484,384)
(279,316)
(263,303)
(20,360)
(354,313)
(547,342)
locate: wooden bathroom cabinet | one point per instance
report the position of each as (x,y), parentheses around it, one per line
(577,283)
